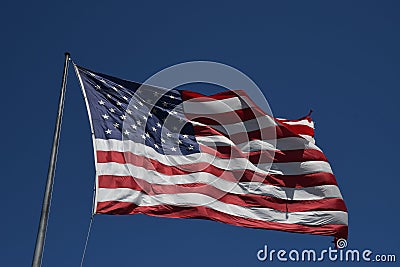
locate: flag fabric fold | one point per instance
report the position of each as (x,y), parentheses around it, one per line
(181,154)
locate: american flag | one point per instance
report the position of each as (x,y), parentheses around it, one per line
(181,154)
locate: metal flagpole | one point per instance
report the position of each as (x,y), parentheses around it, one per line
(41,234)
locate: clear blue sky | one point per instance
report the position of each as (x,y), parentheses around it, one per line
(341,59)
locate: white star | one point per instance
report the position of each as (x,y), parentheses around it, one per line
(97,87)
(155,93)
(92,74)
(116,125)
(139,123)
(158,125)
(101,102)
(125,98)
(114,88)
(156,146)
(171,96)
(154,129)
(120,86)
(112,110)
(126,132)
(165,104)
(143,136)
(134,126)
(135,107)
(108,131)
(119,103)
(147,135)
(144,117)
(169,134)
(179,142)
(105,116)
(162,140)
(190,147)
(173,148)
(103,81)
(108,95)
(175,128)
(140,103)
(123,117)
(128,111)
(185,136)
(151,115)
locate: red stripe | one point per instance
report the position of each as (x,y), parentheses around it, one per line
(257,157)
(308,118)
(235,116)
(245,200)
(294,181)
(259,134)
(266,156)
(240,94)
(201,212)
(229,117)
(300,129)
(197,97)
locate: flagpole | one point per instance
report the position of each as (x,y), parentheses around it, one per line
(41,234)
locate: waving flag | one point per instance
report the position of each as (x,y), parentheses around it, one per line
(180,154)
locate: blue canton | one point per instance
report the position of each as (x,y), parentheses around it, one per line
(125,110)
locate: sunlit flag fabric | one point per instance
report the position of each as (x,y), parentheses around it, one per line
(180,154)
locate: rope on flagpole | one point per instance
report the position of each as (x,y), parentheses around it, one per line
(87,239)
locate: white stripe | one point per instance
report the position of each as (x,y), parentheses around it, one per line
(300,122)
(194,199)
(308,138)
(258,123)
(264,124)
(304,122)
(214,106)
(286,168)
(287,143)
(154,177)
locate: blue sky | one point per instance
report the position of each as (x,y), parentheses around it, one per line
(339,58)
